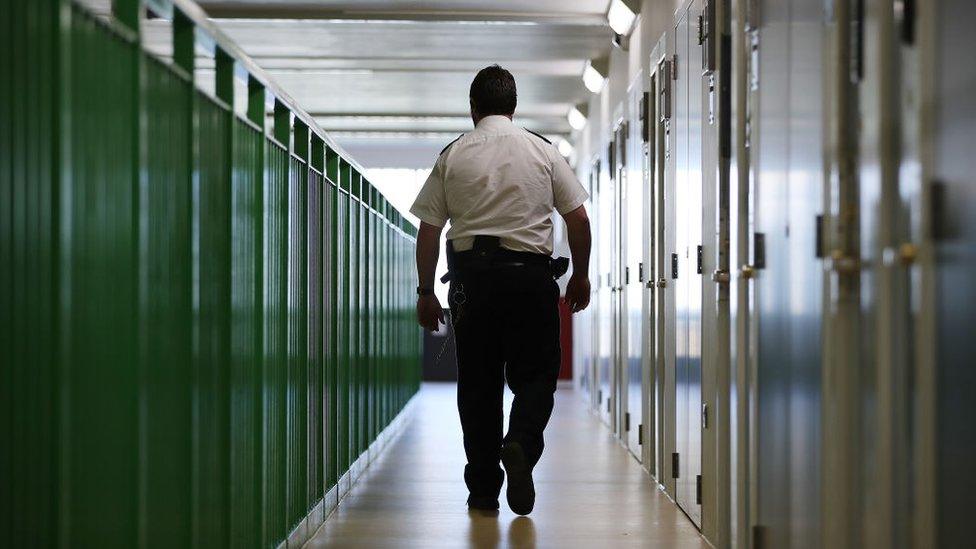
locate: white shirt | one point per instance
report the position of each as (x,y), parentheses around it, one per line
(499,180)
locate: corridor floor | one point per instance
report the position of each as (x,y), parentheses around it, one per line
(591,492)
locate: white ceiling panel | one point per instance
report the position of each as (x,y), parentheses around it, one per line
(401,69)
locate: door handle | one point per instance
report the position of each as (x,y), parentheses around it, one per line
(747,272)
(721,276)
(904,255)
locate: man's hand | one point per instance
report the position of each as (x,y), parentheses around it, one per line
(430,312)
(578,292)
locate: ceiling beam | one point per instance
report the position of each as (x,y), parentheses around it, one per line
(270,11)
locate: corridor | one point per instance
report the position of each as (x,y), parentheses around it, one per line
(591,492)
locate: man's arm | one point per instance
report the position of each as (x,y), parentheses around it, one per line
(429,310)
(578,231)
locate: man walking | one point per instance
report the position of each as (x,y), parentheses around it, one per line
(498,186)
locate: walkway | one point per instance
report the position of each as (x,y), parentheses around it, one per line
(591,493)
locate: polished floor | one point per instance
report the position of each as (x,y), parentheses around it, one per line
(591,492)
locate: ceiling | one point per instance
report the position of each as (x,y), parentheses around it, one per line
(400,69)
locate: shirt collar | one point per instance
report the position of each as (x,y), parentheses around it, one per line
(495,122)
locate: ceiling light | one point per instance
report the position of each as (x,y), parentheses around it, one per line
(576,119)
(592,78)
(620,17)
(565,148)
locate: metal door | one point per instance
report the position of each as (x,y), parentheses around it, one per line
(604,284)
(784,140)
(647,435)
(664,224)
(619,324)
(633,265)
(688,209)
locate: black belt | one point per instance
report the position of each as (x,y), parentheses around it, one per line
(487,253)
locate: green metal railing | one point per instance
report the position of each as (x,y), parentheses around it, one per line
(203,324)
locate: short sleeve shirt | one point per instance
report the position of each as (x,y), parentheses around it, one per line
(499,180)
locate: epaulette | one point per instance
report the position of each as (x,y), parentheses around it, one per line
(537,135)
(444,150)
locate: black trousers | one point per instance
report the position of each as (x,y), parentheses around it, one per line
(506,325)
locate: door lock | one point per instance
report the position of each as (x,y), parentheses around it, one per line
(721,276)
(662,283)
(904,255)
(747,271)
(843,264)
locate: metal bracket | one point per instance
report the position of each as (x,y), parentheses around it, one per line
(721,276)
(843,264)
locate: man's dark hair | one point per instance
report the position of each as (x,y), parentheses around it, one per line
(493,91)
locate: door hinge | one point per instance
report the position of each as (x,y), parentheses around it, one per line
(700,258)
(627,422)
(674,465)
(759,251)
(674,67)
(818,236)
(646,117)
(698,490)
(640,434)
(908,11)
(608,404)
(707,32)
(599,396)
(758,537)
(704,415)
(674,266)
(626,275)
(664,94)
(640,272)
(940,222)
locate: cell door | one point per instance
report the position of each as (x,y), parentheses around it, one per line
(633,266)
(688,293)
(647,435)
(619,321)
(666,264)
(592,319)
(890,199)
(605,344)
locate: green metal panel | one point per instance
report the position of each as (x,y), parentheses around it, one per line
(200,330)
(29,275)
(355,286)
(101,308)
(316,340)
(247,336)
(165,305)
(332,298)
(212,322)
(344,236)
(275,339)
(297,407)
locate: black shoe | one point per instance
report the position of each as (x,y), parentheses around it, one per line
(520,490)
(483,503)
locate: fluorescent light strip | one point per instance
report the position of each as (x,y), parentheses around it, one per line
(576,119)
(592,79)
(620,17)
